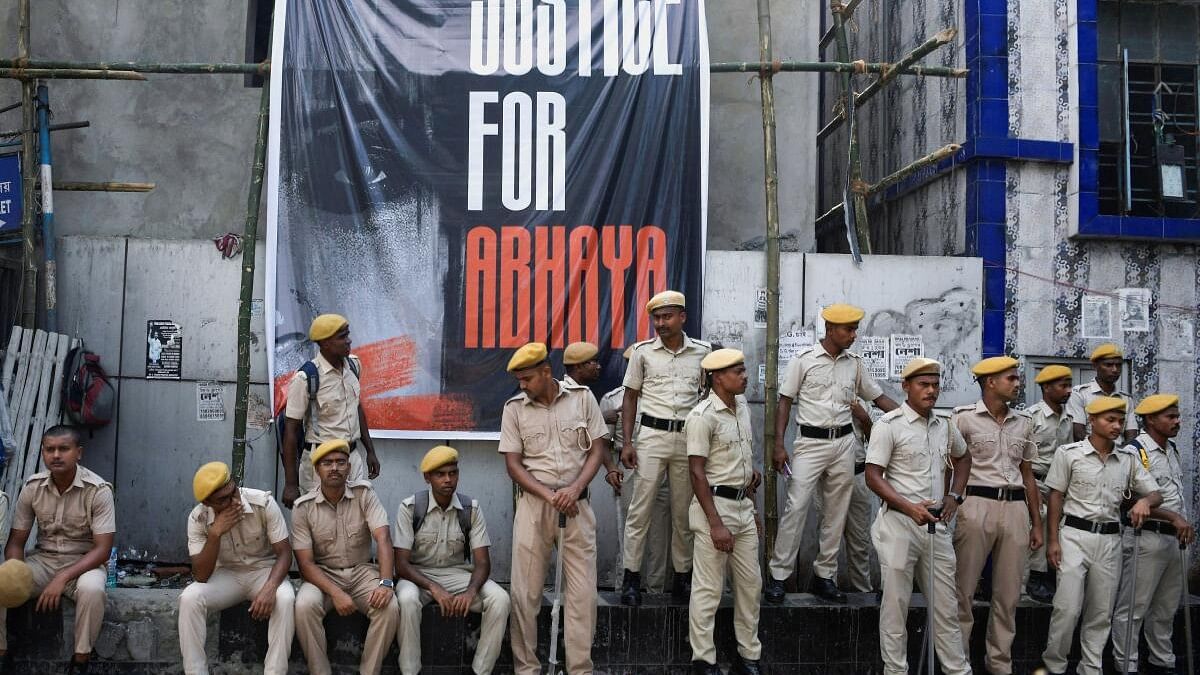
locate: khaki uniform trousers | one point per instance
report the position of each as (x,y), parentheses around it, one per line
(653,446)
(491,602)
(656,549)
(708,580)
(903,549)
(857,536)
(831,464)
(1036,560)
(87,591)
(312,605)
(1001,529)
(535,534)
(224,589)
(1087,584)
(1158,587)
(307,479)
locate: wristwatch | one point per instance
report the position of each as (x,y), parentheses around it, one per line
(958,499)
(387,583)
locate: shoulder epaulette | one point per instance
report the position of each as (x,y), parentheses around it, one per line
(891,415)
(964,408)
(702,343)
(1135,447)
(306,497)
(642,343)
(515,397)
(37,476)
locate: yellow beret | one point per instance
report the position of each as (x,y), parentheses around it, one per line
(1103,404)
(666,299)
(579,352)
(16,583)
(437,457)
(326,326)
(839,313)
(532,354)
(1156,403)
(1052,373)
(1106,351)
(722,358)
(327,447)
(921,366)
(628,352)
(996,364)
(209,478)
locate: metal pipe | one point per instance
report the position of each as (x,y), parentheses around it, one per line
(111,186)
(847,10)
(63,126)
(833,67)
(249,240)
(47,180)
(28,178)
(861,226)
(66,74)
(145,67)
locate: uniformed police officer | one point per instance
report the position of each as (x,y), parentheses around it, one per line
(1107,360)
(332,529)
(583,369)
(720,447)
(823,383)
(438,560)
(338,410)
(552,436)
(1160,575)
(1001,510)
(76,519)
(910,450)
(662,384)
(1051,430)
(238,541)
(1088,480)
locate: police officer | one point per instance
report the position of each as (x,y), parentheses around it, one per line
(1051,430)
(1107,360)
(823,383)
(1156,591)
(332,529)
(583,369)
(336,414)
(720,447)
(1001,503)
(1088,480)
(662,384)
(238,542)
(76,519)
(910,450)
(552,437)
(443,555)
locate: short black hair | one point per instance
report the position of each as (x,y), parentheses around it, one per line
(59,430)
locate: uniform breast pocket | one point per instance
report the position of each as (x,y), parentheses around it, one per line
(727,436)
(574,436)
(324,532)
(533,439)
(426,538)
(913,459)
(983,448)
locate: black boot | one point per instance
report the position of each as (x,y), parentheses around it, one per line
(825,588)
(774,592)
(681,587)
(705,668)
(1162,670)
(77,667)
(745,667)
(1039,589)
(631,589)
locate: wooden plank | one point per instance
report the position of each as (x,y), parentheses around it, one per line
(10,361)
(54,413)
(21,372)
(29,393)
(56,353)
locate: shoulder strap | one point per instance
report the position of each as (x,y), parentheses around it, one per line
(464,522)
(313,377)
(353,361)
(1142,455)
(420,508)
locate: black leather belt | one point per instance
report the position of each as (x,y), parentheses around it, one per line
(1110,527)
(727,492)
(1152,526)
(827,434)
(859,467)
(999,494)
(661,424)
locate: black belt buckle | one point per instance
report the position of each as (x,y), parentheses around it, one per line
(662,424)
(726,492)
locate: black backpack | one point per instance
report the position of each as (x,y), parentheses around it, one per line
(309,368)
(87,395)
(421,507)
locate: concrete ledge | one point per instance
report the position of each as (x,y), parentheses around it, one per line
(802,635)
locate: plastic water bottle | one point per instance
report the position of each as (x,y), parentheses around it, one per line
(111,582)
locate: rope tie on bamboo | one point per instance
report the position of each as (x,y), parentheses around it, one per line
(884,69)
(837,7)
(860,67)
(860,187)
(264,67)
(770,69)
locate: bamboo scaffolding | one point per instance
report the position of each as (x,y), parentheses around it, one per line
(29,74)
(847,10)
(29,281)
(110,186)
(833,67)
(11,106)
(897,176)
(143,67)
(861,226)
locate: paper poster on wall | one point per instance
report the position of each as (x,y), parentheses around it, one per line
(1134,307)
(791,344)
(164,350)
(1097,317)
(874,352)
(760,307)
(762,373)
(905,348)
(210,402)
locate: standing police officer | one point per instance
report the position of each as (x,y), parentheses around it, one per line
(1107,360)
(1051,430)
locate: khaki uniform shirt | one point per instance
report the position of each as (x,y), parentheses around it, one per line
(997,449)
(339,535)
(669,382)
(1094,490)
(1083,394)
(722,435)
(914,451)
(440,541)
(248,545)
(1050,432)
(1167,469)
(337,403)
(822,387)
(67,521)
(553,440)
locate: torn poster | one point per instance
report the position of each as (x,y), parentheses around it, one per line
(1097,316)
(1134,306)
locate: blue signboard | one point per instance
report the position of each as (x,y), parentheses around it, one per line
(10,192)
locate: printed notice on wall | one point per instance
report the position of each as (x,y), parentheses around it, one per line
(1134,306)
(760,307)
(210,402)
(874,352)
(1097,317)
(791,344)
(905,348)
(164,350)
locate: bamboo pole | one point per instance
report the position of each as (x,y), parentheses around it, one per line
(28,178)
(63,126)
(924,49)
(829,34)
(110,186)
(833,67)
(66,74)
(899,175)
(861,226)
(771,190)
(145,67)
(249,241)
(11,106)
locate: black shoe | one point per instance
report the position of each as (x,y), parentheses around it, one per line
(1162,670)
(1039,591)
(6,664)
(705,668)
(745,667)
(631,589)
(774,592)
(681,587)
(77,667)
(825,588)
